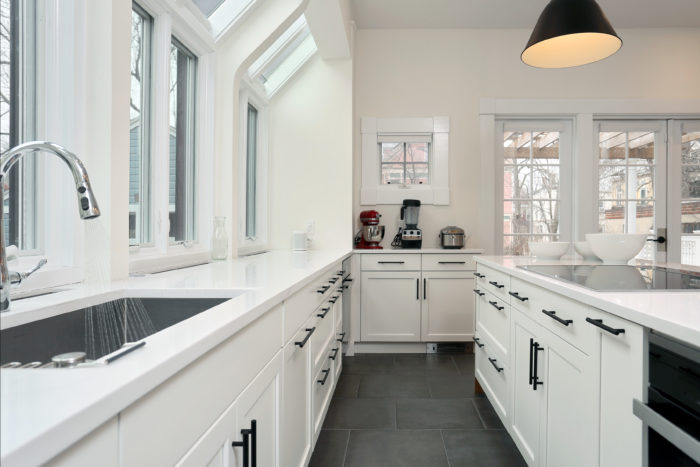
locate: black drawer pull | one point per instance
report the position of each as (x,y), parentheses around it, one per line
(479,292)
(309,331)
(480,276)
(553,314)
(250,436)
(323,289)
(333,299)
(325,312)
(335,354)
(515,294)
(390,262)
(333,280)
(342,336)
(452,262)
(325,377)
(495,305)
(478,342)
(496,284)
(493,362)
(347,279)
(341,272)
(599,323)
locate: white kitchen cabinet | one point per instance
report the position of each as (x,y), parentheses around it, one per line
(101,447)
(391,306)
(448,307)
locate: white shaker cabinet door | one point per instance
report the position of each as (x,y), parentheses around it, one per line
(448,307)
(391,306)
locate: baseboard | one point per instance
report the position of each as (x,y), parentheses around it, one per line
(389,347)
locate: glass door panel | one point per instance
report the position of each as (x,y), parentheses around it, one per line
(684,192)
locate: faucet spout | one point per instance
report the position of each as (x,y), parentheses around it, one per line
(87,204)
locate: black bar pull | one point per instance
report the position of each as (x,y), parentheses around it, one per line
(323,289)
(480,276)
(342,336)
(390,262)
(536,379)
(347,279)
(553,314)
(495,305)
(425,293)
(417,289)
(478,342)
(333,299)
(323,381)
(325,312)
(532,343)
(309,331)
(479,292)
(254,442)
(599,323)
(452,262)
(496,284)
(516,295)
(493,362)
(335,353)
(333,280)
(341,272)
(245,444)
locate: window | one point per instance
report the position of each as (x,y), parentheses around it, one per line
(690,195)
(405,160)
(140,128)
(532,198)
(17,118)
(251,172)
(183,65)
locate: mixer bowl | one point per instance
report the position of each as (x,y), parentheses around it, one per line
(373,233)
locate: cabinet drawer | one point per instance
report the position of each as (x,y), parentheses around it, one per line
(492,381)
(493,281)
(299,306)
(564,317)
(391,262)
(323,334)
(493,322)
(448,262)
(321,385)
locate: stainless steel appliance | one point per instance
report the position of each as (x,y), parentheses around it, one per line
(671,416)
(410,235)
(452,237)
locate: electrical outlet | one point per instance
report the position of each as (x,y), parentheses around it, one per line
(431,348)
(310,228)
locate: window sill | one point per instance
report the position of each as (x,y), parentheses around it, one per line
(395,194)
(49,277)
(151,260)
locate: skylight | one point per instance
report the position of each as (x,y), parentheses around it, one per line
(223,13)
(284,57)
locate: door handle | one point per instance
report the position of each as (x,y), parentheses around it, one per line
(250,456)
(536,379)
(417,289)
(390,262)
(425,293)
(309,331)
(452,262)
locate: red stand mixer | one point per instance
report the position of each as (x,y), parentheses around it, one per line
(372,233)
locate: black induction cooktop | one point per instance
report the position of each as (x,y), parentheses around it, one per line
(608,278)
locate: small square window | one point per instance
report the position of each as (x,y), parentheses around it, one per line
(405,163)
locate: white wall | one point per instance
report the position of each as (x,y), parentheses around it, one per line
(417,73)
(310,128)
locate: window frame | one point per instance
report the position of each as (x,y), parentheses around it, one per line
(405,141)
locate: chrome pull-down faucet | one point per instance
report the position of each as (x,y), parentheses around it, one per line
(87,204)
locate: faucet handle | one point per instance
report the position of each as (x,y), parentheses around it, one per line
(17,277)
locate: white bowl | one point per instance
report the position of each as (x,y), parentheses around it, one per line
(548,250)
(616,248)
(584,249)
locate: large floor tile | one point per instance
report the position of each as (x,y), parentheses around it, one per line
(361,413)
(450,386)
(393,386)
(395,449)
(425,365)
(482,448)
(368,365)
(487,413)
(330,449)
(465,363)
(347,386)
(437,414)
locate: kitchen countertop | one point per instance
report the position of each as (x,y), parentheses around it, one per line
(675,313)
(43,411)
(472,251)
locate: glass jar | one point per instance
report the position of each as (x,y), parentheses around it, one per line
(219,240)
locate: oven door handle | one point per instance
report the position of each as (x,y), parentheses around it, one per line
(660,424)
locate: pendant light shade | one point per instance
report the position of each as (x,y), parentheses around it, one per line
(570,33)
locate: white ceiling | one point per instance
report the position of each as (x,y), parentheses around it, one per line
(505,14)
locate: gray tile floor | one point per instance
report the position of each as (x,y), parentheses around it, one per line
(411,410)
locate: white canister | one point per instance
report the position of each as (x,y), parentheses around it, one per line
(299,242)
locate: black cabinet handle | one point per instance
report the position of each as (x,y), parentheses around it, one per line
(250,437)
(516,295)
(347,279)
(452,262)
(478,342)
(390,262)
(425,293)
(342,336)
(325,312)
(532,346)
(309,331)
(333,280)
(323,381)
(496,284)
(323,289)
(536,379)
(341,272)
(417,289)
(479,292)
(495,305)
(333,299)
(480,276)
(599,323)
(553,314)
(335,354)
(493,362)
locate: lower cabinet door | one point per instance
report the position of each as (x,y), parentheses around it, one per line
(391,304)
(448,307)
(321,394)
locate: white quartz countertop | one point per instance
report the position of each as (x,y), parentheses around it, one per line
(675,313)
(471,251)
(43,411)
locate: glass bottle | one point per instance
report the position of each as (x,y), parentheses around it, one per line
(219,240)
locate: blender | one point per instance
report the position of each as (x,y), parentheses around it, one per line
(411,235)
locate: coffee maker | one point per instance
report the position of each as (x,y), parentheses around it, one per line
(410,235)
(372,233)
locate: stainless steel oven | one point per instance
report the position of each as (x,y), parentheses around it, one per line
(671,415)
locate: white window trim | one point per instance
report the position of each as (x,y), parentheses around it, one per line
(247,246)
(373,192)
(169,21)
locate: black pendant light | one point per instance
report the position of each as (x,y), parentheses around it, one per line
(570,33)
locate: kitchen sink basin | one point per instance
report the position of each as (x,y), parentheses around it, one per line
(96,331)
